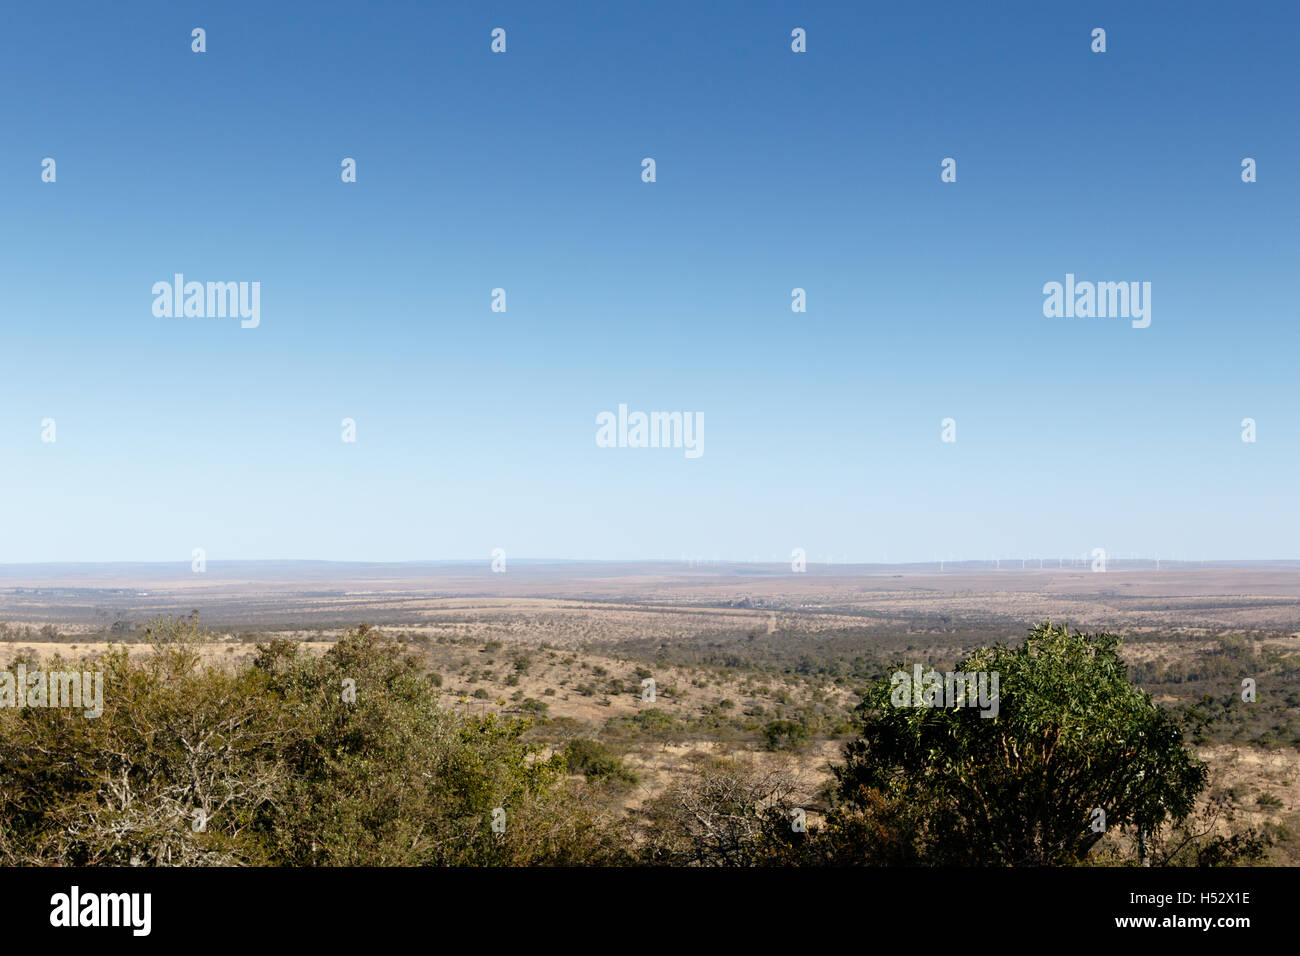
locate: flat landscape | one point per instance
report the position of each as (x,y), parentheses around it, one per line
(733,650)
(1189,598)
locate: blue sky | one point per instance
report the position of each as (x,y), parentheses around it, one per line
(522,170)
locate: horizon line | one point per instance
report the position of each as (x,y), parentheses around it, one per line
(1044,560)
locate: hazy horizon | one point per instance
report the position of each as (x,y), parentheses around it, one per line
(690,561)
(285,570)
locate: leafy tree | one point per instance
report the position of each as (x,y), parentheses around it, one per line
(1071,735)
(179,769)
(339,759)
(784,735)
(596,761)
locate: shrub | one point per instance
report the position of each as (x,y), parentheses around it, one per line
(596,761)
(785,735)
(283,766)
(1070,734)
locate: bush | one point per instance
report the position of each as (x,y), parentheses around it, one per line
(596,761)
(785,735)
(283,766)
(1070,734)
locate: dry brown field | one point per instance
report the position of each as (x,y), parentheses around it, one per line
(590,631)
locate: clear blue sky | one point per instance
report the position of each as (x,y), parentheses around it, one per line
(775,170)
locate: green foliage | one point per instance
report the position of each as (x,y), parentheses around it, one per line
(1072,734)
(650,723)
(596,761)
(346,758)
(283,766)
(175,747)
(784,735)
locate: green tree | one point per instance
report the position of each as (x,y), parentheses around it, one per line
(784,735)
(1071,735)
(339,759)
